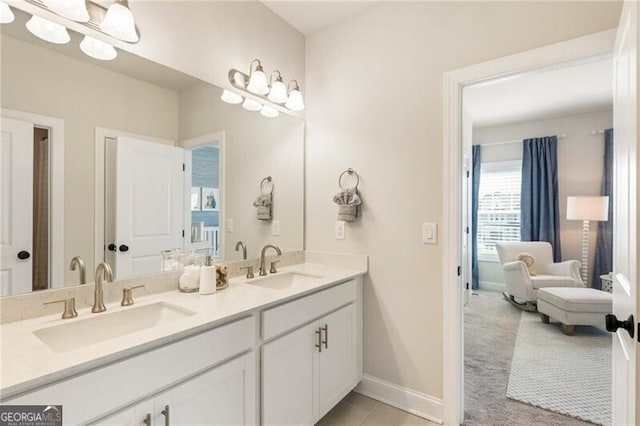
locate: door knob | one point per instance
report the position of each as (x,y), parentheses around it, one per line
(123,248)
(614,324)
(112,247)
(24,255)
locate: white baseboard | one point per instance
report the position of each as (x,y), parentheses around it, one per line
(492,286)
(414,402)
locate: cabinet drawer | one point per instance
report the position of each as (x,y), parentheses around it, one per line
(91,395)
(290,315)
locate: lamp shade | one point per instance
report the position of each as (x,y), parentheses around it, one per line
(588,208)
(119,22)
(98,49)
(295,102)
(75,10)
(278,93)
(6,15)
(258,82)
(47,30)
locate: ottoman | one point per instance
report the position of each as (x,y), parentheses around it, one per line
(574,306)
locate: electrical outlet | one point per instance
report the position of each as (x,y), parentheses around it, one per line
(340,230)
(430,233)
(275,228)
(228,225)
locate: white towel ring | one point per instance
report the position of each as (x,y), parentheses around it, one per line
(351,173)
(264,184)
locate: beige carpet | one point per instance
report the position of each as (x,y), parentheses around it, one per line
(566,374)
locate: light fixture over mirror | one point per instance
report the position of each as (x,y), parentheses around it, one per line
(98,49)
(119,22)
(76,10)
(6,15)
(278,92)
(257,79)
(295,102)
(47,30)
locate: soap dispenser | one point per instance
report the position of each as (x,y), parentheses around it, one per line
(208,277)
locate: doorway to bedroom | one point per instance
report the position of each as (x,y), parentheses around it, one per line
(541,164)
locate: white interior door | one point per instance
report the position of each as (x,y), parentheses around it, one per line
(16,206)
(625,258)
(149,204)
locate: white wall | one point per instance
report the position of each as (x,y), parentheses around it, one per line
(40,81)
(580,164)
(374,96)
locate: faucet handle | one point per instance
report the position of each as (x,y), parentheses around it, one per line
(127,295)
(273,270)
(69,307)
(249,269)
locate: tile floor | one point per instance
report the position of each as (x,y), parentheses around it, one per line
(359,410)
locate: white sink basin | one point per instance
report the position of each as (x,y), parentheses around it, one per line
(100,327)
(284,280)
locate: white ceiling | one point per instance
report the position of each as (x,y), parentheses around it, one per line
(311,16)
(530,96)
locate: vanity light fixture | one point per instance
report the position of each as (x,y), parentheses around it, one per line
(295,101)
(251,105)
(47,30)
(98,49)
(268,111)
(231,97)
(257,79)
(119,22)
(76,10)
(6,15)
(278,92)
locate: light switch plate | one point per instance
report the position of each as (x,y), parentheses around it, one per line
(275,228)
(340,230)
(228,225)
(430,233)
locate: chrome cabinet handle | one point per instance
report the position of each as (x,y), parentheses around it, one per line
(319,344)
(165,413)
(147,420)
(326,336)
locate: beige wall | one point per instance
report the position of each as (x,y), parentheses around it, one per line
(207,38)
(255,147)
(85,96)
(580,163)
(374,96)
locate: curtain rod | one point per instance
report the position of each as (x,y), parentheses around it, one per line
(562,136)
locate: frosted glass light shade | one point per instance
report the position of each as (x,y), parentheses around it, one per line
(98,49)
(295,102)
(119,23)
(231,97)
(47,30)
(278,93)
(258,82)
(251,105)
(6,15)
(75,10)
(588,208)
(270,112)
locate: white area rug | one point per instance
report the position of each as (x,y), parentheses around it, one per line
(566,374)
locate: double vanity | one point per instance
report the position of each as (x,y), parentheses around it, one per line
(278,349)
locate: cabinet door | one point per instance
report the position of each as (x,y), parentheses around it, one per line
(338,362)
(289,371)
(224,395)
(132,416)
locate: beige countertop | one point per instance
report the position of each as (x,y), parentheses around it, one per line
(26,362)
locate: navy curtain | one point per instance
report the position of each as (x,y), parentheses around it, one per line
(475,182)
(540,212)
(603,260)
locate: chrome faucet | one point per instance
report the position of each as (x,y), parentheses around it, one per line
(77,262)
(263,268)
(240,244)
(103,272)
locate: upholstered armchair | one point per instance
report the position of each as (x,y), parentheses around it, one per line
(522,286)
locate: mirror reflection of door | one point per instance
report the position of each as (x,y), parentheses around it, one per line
(202,164)
(24,211)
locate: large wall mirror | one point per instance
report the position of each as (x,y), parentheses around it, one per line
(119,160)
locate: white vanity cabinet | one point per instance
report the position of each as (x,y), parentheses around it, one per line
(305,372)
(223,395)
